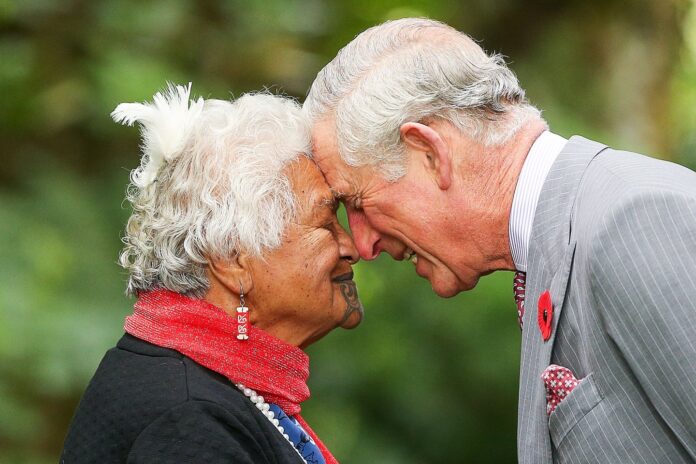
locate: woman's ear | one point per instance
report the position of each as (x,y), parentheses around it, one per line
(433,148)
(233,274)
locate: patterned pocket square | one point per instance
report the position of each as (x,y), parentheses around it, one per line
(559,382)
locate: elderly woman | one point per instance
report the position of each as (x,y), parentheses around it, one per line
(238,263)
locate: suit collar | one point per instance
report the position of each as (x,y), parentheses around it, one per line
(551,226)
(552,246)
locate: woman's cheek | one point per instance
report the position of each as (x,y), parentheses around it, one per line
(326,252)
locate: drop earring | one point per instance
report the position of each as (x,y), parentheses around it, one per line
(242,316)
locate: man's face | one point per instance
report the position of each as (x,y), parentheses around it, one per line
(408,219)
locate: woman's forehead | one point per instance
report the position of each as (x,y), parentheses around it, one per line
(321,200)
(310,187)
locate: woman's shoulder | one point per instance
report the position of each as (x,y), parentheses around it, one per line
(143,397)
(185,379)
(162,377)
(135,383)
(136,375)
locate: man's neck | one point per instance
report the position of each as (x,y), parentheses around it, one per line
(511,157)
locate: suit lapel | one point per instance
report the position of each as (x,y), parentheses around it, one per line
(551,253)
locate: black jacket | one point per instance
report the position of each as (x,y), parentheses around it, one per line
(147,404)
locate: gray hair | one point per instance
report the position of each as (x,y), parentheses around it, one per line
(210,184)
(414,70)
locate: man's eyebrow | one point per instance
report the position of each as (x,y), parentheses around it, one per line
(337,194)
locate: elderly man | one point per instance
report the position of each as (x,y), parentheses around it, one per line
(440,159)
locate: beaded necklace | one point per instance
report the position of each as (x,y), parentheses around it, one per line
(265,408)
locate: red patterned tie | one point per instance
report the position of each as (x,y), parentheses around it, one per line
(518,289)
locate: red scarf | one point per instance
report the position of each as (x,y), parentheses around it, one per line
(207,334)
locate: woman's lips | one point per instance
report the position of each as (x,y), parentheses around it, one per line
(344,277)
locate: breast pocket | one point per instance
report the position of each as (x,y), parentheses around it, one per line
(583,399)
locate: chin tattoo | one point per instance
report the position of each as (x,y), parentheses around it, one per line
(350,294)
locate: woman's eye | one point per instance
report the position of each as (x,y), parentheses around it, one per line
(357,204)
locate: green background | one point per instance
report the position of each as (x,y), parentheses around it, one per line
(423,380)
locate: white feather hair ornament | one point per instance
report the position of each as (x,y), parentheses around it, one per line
(166,125)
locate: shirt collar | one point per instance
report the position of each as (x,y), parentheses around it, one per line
(536,166)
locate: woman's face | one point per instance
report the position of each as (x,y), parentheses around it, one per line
(304,289)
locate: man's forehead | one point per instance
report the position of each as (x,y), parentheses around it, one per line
(337,195)
(324,140)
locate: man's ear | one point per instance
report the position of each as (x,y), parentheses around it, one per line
(233,274)
(435,151)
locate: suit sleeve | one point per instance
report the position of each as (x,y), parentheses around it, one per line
(196,431)
(643,277)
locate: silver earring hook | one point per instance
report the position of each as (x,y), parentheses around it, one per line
(241,294)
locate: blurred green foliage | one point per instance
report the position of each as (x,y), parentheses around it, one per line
(423,380)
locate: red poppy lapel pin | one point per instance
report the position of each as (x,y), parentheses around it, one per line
(545,315)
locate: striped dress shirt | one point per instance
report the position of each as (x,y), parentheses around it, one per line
(541,156)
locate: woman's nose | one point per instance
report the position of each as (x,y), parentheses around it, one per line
(366,238)
(346,246)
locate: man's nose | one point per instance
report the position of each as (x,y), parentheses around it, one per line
(366,238)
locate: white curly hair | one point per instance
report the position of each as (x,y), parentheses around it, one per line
(211,184)
(410,70)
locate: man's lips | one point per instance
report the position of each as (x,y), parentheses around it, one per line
(344,277)
(410,255)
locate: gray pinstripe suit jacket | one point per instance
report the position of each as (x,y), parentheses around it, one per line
(614,241)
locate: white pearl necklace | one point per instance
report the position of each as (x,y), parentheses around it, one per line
(265,408)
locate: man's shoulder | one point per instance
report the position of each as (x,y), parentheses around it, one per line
(632,173)
(618,180)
